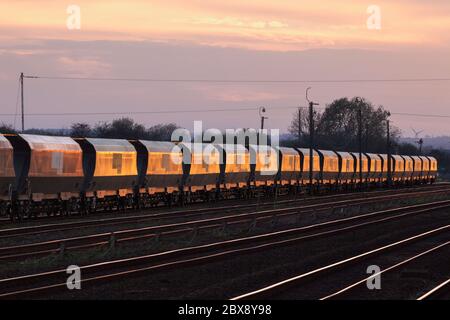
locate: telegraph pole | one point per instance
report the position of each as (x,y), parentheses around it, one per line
(389,173)
(311,140)
(360,141)
(367,137)
(299,126)
(21,93)
(420,142)
(262,110)
(22,76)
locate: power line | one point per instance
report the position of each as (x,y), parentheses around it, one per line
(216,81)
(238,80)
(204,110)
(421,115)
(148,112)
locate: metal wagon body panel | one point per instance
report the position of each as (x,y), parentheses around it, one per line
(160,166)
(330,166)
(7,174)
(110,166)
(384,166)
(234,166)
(48,167)
(433,168)
(409,168)
(374,167)
(425,168)
(366,161)
(264,164)
(417,167)
(290,169)
(304,166)
(201,166)
(348,166)
(398,168)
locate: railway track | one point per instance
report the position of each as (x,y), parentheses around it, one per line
(48,282)
(319,275)
(254,203)
(440,291)
(397,272)
(135,234)
(313,204)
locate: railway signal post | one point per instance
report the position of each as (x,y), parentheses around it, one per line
(262,110)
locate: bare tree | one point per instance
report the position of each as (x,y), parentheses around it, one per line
(299,127)
(161,132)
(6,128)
(336,128)
(123,128)
(81,129)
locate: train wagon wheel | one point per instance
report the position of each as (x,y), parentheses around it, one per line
(26,211)
(3,210)
(66,207)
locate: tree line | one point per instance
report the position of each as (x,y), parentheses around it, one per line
(336,128)
(123,128)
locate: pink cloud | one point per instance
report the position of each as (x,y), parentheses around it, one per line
(84,66)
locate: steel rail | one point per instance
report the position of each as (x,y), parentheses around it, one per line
(297,198)
(162,212)
(92,240)
(33,230)
(290,281)
(391,268)
(436,291)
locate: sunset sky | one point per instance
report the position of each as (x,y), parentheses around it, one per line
(231,40)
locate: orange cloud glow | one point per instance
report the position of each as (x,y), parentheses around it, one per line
(257,24)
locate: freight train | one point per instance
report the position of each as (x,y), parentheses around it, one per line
(62,175)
